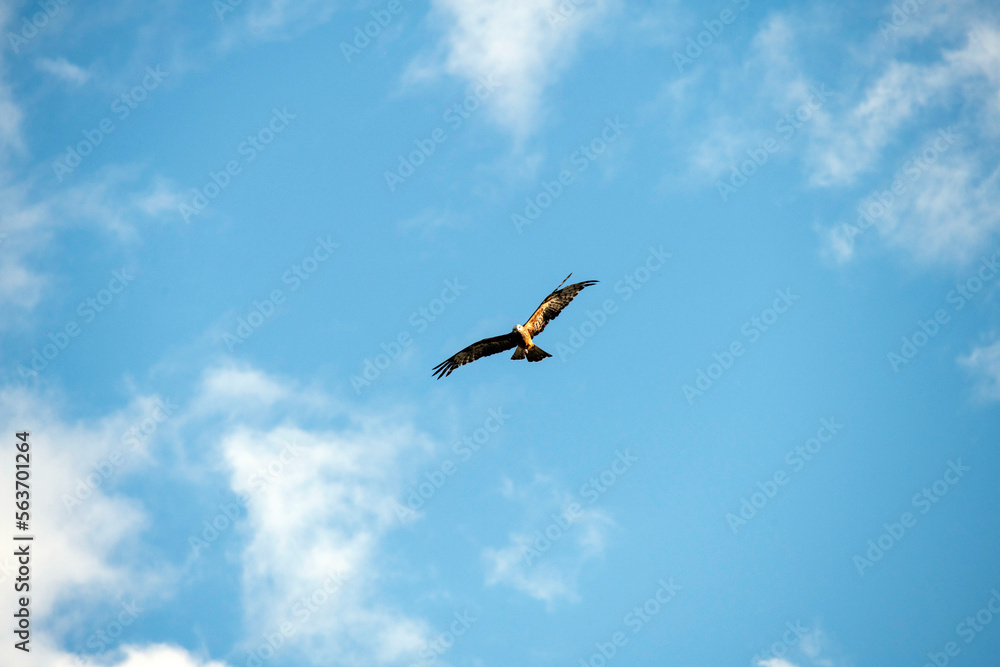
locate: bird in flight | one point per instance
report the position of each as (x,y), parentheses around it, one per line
(520,336)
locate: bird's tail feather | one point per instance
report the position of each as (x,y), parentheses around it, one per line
(535,353)
(518,353)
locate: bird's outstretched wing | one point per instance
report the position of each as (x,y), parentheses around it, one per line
(553,305)
(483,348)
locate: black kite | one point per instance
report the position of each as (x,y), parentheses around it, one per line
(520,336)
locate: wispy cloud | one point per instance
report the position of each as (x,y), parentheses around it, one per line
(952,216)
(319,496)
(327,507)
(814,648)
(232,388)
(63,69)
(952,212)
(129,655)
(85,518)
(750,102)
(855,140)
(524,44)
(775,662)
(264,20)
(11,115)
(983,364)
(113,201)
(885,100)
(545,557)
(430,220)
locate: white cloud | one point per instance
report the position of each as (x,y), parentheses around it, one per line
(276,16)
(953,211)
(983,363)
(900,24)
(945,210)
(271,19)
(320,502)
(239,387)
(775,662)
(11,115)
(74,511)
(658,24)
(325,512)
(113,201)
(63,69)
(32,208)
(765,87)
(546,560)
(431,220)
(161,198)
(952,216)
(949,207)
(814,648)
(162,655)
(545,581)
(889,97)
(523,44)
(856,140)
(153,655)
(11,118)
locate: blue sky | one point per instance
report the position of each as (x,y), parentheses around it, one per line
(236,237)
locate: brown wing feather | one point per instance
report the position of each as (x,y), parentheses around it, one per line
(553,305)
(483,348)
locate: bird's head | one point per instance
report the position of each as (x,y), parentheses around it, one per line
(517,329)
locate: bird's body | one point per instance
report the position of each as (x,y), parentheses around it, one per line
(527,348)
(520,337)
(525,336)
